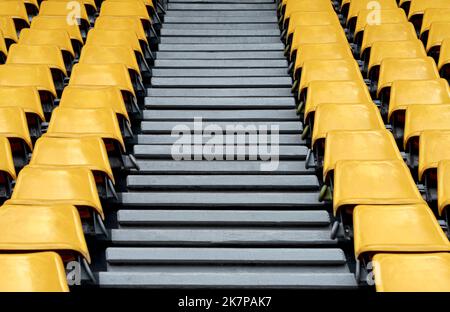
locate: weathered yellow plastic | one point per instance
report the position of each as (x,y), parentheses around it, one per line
(122,23)
(113,8)
(444,54)
(422,272)
(358,145)
(126,38)
(26,98)
(57,8)
(438,32)
(13,125)
(379,182)
(57,22)
(43,227)
(89,152)
(434,15)
(32,272)
(14,9)
(434,146)
(8,28)
(357,5)
(53,37)
(6,158)
(397,228)
(301,18)
(57,185)
(371,17)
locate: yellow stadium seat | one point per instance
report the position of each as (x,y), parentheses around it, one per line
(13,125)
(300,18)
(434,146)
(7,168)
(89,5)
(62,9)
(38,76)
(60,22)
(98,122)
(396,229)
(8,28)
(3,49)
(392,69)
(28,99)
(423,272)
(331,70)
(42,228)
(125,9)
(32,272)
(49,56)
(103,75)
(17,11)
(323,51)
(407,92)
(57,185)
(329,117)
(444,59)
(430,16)
(371,17)
(53,37)
(126,38)
(443,179)
(93,54)
(305,6)
(122,23)
(373,183)
(95,97)
(148,3)
(438,32)
(357,5)
(392,49)
(89,152)
(385,32)
(337,92)
(418,7)
(316,34)
(419,118)
(358,145)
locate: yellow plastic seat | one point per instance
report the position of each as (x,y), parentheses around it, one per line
(59,22)
(53,37)
(357,5)
(38,76)
(385,32)
(57,185)
(419,118)
(102,75)
(397,229)
(8,28)
(56,8)
(443,179)
(430,16)
(50,56)
(392,49)
(93,54)
(17,11)
(328,70)
(94,97)
(89,152)
(3,48)
(434,146)
(329,117)
(358,145)
(392,69)
(127,9)
(305,6)
(316,34)
(148,3)
(324,51)
(407,92)
(423,272)
(300,18)
(371,17)
(444,59)
(122,23)
(6,158)
(73,122)
(13,125)
(89,5)
(127,38)
(338,92)
(32,272)
(26,98)
(42,227)
(438,32)
(418,7)
(373,182)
